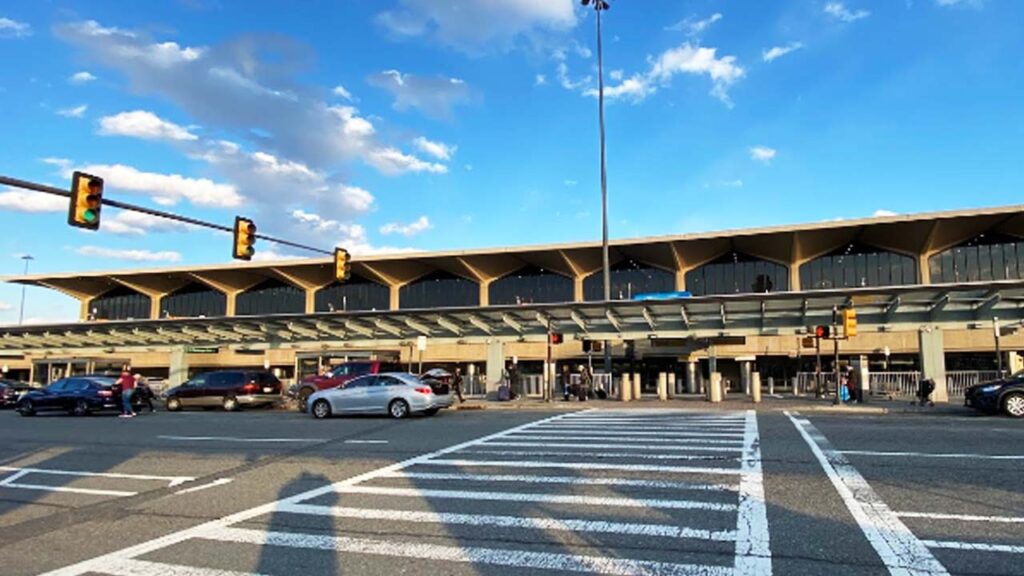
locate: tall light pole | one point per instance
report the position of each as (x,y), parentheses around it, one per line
(21,312)
(601,6)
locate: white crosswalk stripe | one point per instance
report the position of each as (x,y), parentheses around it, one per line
(614,488)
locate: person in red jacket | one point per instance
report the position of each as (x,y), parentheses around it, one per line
(127,382)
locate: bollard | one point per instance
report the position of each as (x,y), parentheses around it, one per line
(771,386)
(794,383)
(715,388)
(662,386)
(625,388)
(755,387)
(672,391)
(637,389)
(691,379)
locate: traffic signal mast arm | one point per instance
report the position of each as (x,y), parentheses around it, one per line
(178,218)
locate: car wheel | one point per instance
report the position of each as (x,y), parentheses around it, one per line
(26,408)
(431,411)
(173,404)
(81,408)
(1013,405)
(398,409)
(230,404)
(321,409)
(304,395)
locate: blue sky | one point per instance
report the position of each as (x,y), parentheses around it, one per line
(445,124)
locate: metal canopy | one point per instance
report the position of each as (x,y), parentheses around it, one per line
(898,308)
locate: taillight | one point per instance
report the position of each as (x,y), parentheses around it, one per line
(250,387)
(424,390)
(105,393)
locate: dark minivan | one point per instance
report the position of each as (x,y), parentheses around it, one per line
(229,389)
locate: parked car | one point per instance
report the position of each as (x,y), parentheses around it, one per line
(11,391)
(77,395)
(335,377)
(229,389)
(1005,395)
(397,394)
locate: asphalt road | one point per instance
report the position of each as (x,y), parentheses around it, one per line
(502,492)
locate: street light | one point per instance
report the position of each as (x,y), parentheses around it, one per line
(601,6)
(21,312)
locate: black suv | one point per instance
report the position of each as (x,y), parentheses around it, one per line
(229,389)
(1006,395)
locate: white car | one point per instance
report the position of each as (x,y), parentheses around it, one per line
(397,394)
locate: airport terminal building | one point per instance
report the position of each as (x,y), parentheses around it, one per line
(946,285)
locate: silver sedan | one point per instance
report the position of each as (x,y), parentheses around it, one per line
(397,394)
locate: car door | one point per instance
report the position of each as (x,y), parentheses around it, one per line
(75,389)
(377,394)
(51,397)
(190,392)
(352,397)
(221,384)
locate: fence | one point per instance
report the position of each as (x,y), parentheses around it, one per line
(904,384)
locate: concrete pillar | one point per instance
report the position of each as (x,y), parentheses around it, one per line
(495,365)
(755,387)
(863,375)
(771,385)
(745,373)
(662,386)
(625,388)
(715,388)
(794,384)
(691,377)
(638,391)
(178,372)
(933,361)
(673,385)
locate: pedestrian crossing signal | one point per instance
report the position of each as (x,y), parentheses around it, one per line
(342,265)
(245,237)
(557,338)
(86,201)
(822,331)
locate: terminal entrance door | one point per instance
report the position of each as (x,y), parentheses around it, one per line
(50,370)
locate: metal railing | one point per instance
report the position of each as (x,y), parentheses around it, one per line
(957,381)
(904,384)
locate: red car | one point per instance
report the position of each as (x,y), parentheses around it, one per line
(338,376)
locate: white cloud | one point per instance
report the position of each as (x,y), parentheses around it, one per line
(616,75)
(435,96)
(130,255)
(391,161)
(352,237)
(562,73)
(129,223)
(438,150)
(167,189)
(473,25)
(81,78)
(539,80)
(762,154)
(839,11)
(737,183)
(884,213)
(693,27)
(273,256)
(411,229)
(4,306)
(779,51)
(569,182)
(340,90)
(684,59)
(971,3)
(76,112)
(14,29)
(27,201)
(145,125)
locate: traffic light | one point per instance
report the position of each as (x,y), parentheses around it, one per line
(822,331)
(849,322)
(587,345)
(557,338)
(86,200)
(342,266)
(245,237)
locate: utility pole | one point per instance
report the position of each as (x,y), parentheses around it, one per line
(999,352)
(21,311)
(835,347)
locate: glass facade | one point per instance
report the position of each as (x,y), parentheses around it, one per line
(857,265)
(271,297)
(530,285)
(121,303)
(355,294)
(194,300)
(986,257)
(629,278)
(439,290)
(737,273)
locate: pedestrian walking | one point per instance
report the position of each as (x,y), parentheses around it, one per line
(566,383)
(127,383)
(586,379)
(457,384)
(143,393)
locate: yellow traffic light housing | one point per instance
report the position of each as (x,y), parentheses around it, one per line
(342,266)
(245,237)
(849,322)
(86,201)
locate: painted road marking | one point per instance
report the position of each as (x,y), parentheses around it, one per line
(620,432)
(974,546)
(962,517)
(126,567)
(233,439)
(174,480)
(612,425)
(366,441)
(900,551)
(528,479)
(933,455)
(473,555)
(591,447)
(624,439)
(525,522)
(753,552)
(703,457)
(12,481)
(580,466)
(215,483)
(545,498)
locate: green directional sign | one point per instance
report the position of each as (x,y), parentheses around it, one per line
(202,349)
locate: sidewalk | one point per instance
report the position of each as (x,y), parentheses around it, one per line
(778,402)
